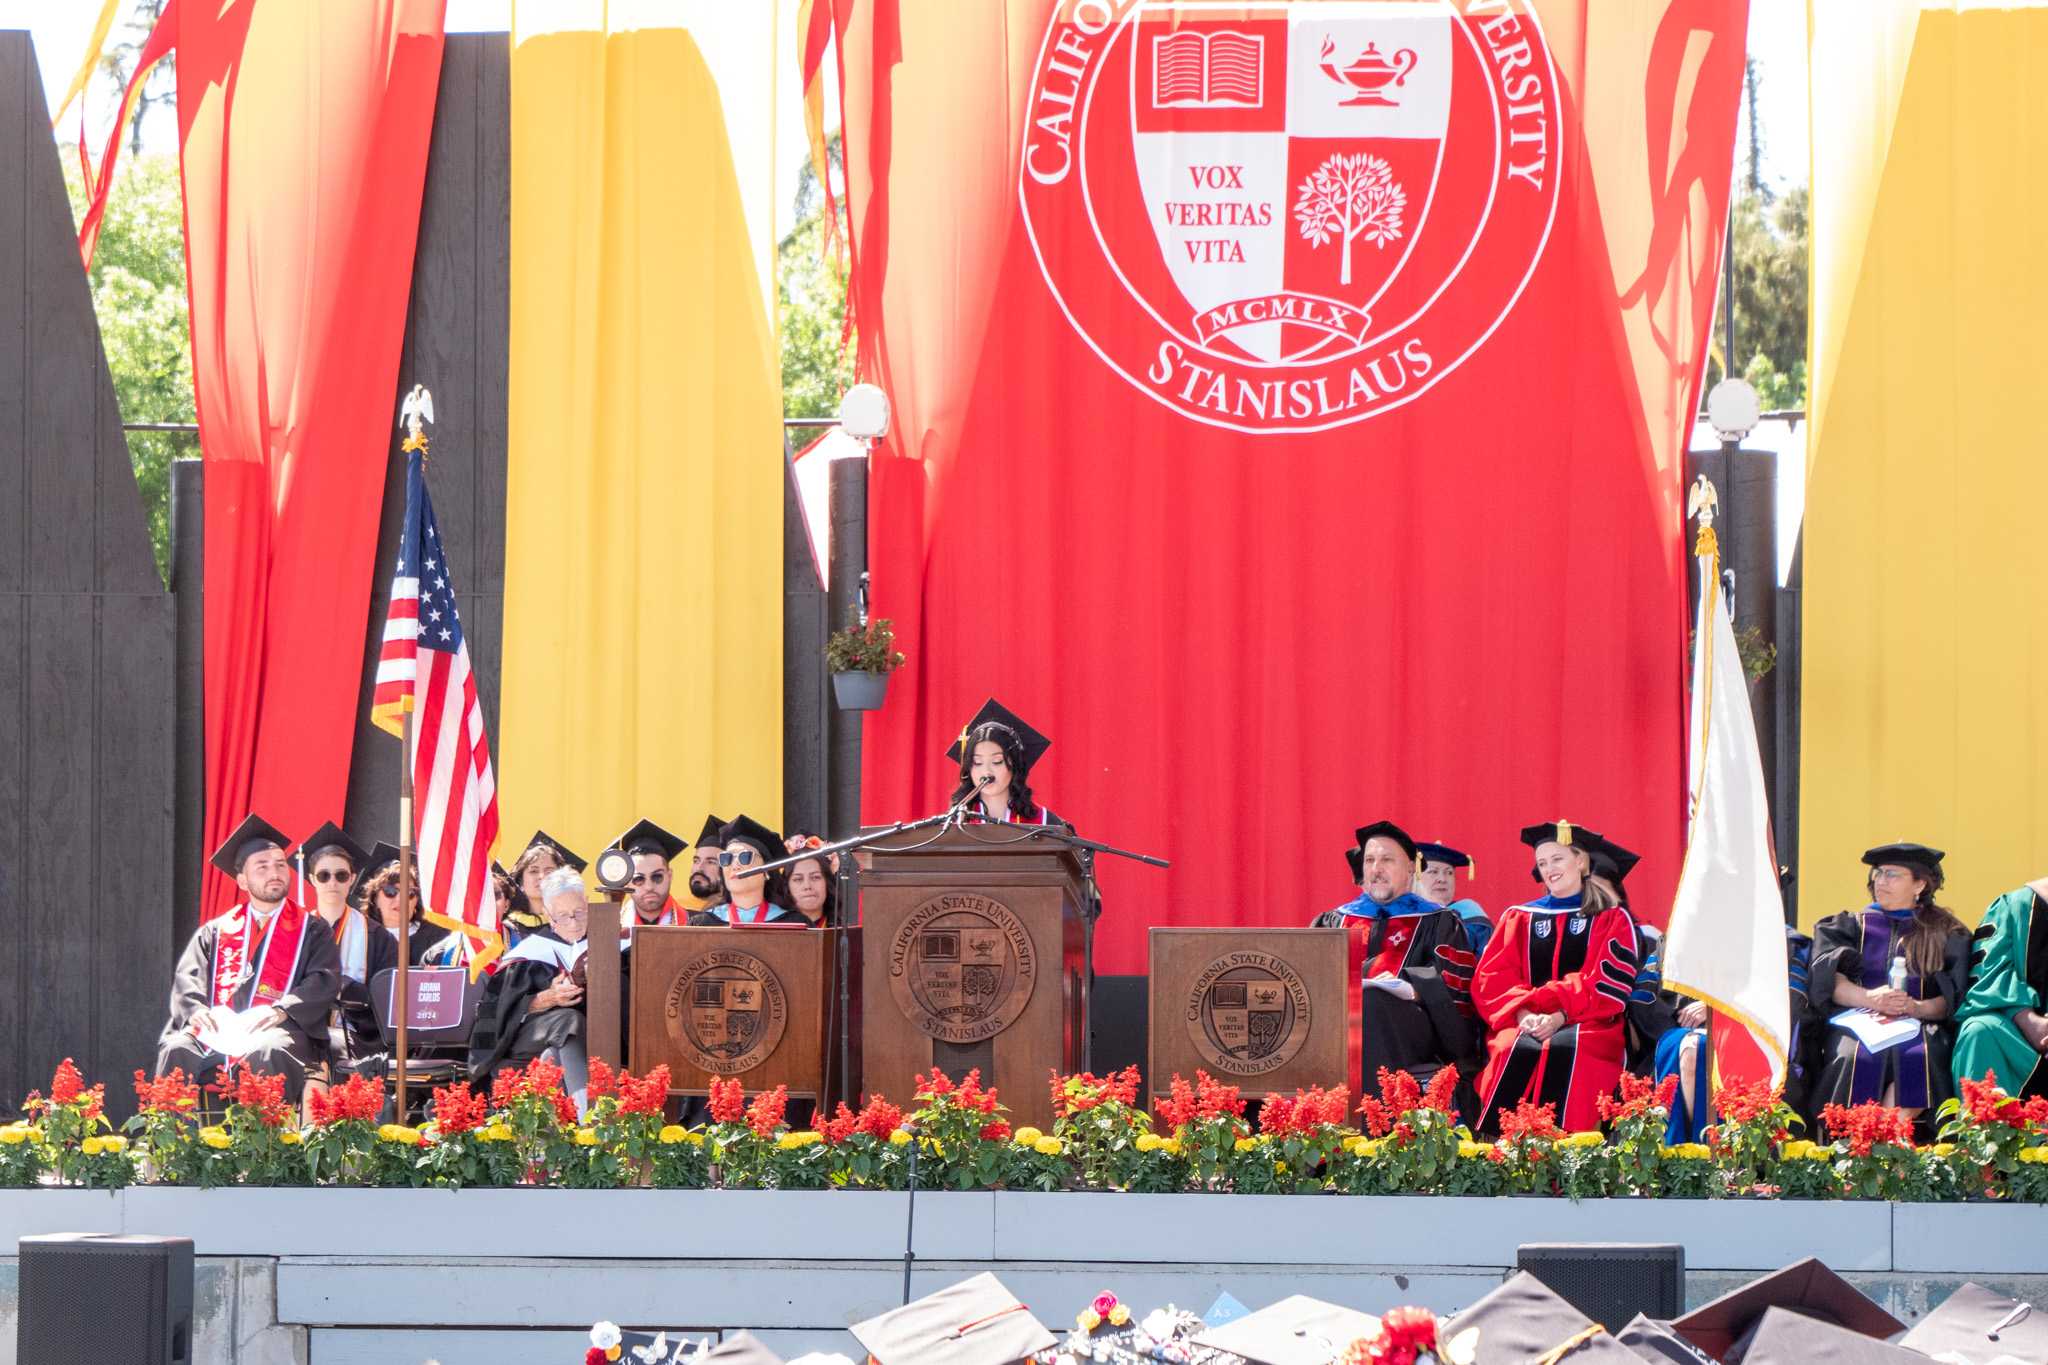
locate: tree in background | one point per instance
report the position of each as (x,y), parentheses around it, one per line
(1770,276)
(817,351)
(138,293)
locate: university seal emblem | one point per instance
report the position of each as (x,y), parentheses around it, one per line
(1248,1013)
(727,1011)
(1290,216)
(961,967)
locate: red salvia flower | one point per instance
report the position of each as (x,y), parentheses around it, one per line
(998,1131)
(1744,1101)
(1868,1125)
(764,1115)
(459,1109)
(1442,1092)
(879,1118)
(603,1081)
(841,1126)
(1529,1120)
(1178,1108)
(565,1109)
(357,1099)
(66,1084)
(933,1086)
(169,1094)
(728,1101)
(646,1094)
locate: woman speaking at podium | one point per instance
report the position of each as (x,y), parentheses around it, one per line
(996,753)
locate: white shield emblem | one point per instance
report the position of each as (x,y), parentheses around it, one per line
(1578,924)
(1543,927)
(1288,157)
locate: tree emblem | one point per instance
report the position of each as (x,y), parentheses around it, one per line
(1351,196)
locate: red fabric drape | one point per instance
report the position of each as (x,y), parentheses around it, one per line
(1261,586)
(304,133)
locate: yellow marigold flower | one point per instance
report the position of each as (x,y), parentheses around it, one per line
(1246,1144)
(1048,1146)
(495,1132)
(387,1132)
(2034,1156)
(1364,1146)
(1943,1150)
(113,1142)
(1027,1136)
(787,1143)
(1149,1142)
(290,1137)
(809,1137)
(14,1134)
(1689,1151)
(1470,1150)
(673,1133)
(91,1146)
(1088,1319)
(695,1138)
(586,1137)
(1279,1168)
(214,1137)
(899,1138)
(1799,1149)
(1589,1138)
(1119,1315)
(399,1133)
(1171,1146)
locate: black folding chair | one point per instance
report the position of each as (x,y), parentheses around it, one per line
(444,1005)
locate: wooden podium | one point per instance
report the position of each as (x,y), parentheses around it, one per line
(973,958)
(751,1004)
(1266,1010)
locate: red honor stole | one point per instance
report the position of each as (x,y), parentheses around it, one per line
(670,914)
(277,955)
(1395,941)
(758,921)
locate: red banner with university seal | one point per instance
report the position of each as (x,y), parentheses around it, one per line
(1288,414)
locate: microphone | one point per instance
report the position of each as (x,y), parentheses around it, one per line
(969,796)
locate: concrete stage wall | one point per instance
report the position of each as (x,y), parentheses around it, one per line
(512,1277)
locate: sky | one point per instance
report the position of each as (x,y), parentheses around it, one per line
(1777,39)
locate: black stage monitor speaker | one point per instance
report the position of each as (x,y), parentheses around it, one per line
(1610,1282)
(94,1296)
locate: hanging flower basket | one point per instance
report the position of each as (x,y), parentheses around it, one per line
(861,658)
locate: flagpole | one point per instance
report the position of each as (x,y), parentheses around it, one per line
(1708,548)
(403,1004)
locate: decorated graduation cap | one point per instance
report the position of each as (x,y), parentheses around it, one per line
(648,837)
(713,824)
(251,837)
(1443,853)
(1524,1320)
(332,838)
(974,1322)
(1807,1287)
(1023,745)
(568,857)
(1977,1326)
(745,829)
(1919,856)
(1297,1330)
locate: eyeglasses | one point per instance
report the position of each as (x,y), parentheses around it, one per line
(333,876)
(743,857)
(1889,874)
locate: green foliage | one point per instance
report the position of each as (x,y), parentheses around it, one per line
(868,649)
(1770,297)
(138,293)
(817,353)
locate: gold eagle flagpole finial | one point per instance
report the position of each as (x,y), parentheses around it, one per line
(413,414)
(1703,504)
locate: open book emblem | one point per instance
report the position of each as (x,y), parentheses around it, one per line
(1219,69)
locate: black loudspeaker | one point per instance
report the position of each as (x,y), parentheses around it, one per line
(1610,1282)
(94,1297)
(1116,1025)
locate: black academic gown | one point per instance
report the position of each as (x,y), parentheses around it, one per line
(314,986)
(507,1032)
(1430,950)
(358,1017)
(1858,945)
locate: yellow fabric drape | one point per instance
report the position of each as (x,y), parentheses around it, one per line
(642,671)
(1925,704)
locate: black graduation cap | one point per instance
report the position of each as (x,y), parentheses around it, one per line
(1784,1337)
(1655,1341)
(1442,853)
(1298,1330)
(974,1322)
(251,837)
(709,833)
(1526,1320)
(1807,1287)
(648,837)
(567,856)
(383,858)
(1387,829)
(1978,1326)
(1557,832)
(330,838)
(991,722)
(1904,855)
(747,830)
(1355,858)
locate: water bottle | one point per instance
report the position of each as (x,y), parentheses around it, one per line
(1898,973)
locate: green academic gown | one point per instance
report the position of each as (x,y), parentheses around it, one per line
(2008,973)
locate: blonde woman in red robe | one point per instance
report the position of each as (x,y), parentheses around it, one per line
(1553,985)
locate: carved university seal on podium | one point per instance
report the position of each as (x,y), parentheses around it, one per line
(1248,1013)
(727,1011)
(962,967)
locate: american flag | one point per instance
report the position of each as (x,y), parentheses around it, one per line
(425,669)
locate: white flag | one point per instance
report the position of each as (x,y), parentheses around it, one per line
(1726,941)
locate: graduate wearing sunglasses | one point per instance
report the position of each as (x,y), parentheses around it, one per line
(427,946)
(752,901)
(332,863)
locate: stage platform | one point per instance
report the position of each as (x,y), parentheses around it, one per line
(515,1277)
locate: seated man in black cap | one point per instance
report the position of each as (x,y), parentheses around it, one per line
(254,985)
(752,898)
(707,885)
(1416,1011)
(649,893)
(535,1002)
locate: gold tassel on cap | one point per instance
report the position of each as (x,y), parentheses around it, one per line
(1471,868)
(1564,833)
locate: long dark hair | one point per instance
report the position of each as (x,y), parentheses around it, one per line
(515,895)
(1925,945)
(829,912)
(994,731)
